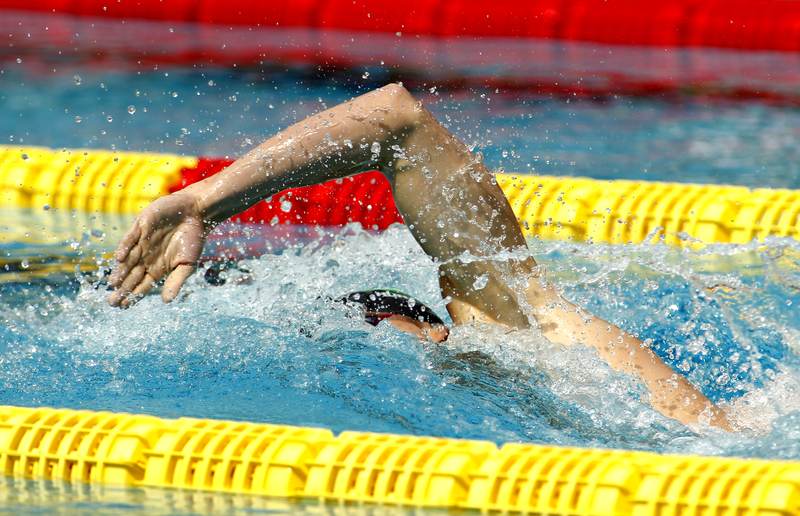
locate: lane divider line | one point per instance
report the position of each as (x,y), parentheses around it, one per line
(370,468)
(551,208)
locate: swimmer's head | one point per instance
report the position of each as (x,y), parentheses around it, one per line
(400,310)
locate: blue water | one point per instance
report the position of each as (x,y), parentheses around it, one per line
(266,346)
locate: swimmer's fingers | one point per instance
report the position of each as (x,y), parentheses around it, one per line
(130,239)
(123,268)
(133,278)
(140,291)
(175,281)
(132,248)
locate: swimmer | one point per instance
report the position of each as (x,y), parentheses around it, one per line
(450,202)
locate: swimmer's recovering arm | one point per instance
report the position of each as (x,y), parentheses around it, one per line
(449,200)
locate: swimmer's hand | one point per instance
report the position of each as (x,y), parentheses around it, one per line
(165,241)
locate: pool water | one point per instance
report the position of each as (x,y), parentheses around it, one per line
(267,346)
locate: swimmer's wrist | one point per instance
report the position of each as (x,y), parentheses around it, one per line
(203,206)
(215,203)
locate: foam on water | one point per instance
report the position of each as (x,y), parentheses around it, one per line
(269,346)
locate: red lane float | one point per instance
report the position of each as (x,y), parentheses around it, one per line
(739,24)
(365,198)
(507,45)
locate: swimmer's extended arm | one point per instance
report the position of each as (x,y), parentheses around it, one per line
(449,200)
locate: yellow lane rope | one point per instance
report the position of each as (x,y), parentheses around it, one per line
(87,180)
(560,208)
(310,463)
(618,212)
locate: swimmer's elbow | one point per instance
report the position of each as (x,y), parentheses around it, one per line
(404,110)
(398,92)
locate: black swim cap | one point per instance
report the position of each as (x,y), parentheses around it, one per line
(381,304)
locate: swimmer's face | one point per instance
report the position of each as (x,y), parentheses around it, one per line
(422,330)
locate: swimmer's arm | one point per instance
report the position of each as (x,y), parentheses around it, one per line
(166,239)
(670,393)
(449,200)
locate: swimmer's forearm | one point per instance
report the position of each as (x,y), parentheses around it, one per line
(670,392)
(349,138)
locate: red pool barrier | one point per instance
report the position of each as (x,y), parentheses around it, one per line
(745,24)
(740,24)
(365,198)
(257,13)
(728,49)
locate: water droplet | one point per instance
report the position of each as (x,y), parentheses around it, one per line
(77,79)
(286,206)
(131,109)
(212,83)
(46,207)
(365,76)
(78,120)
(24,156)
(109,119)
(24,264)
(174,94)
(481,282)
(19,60)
